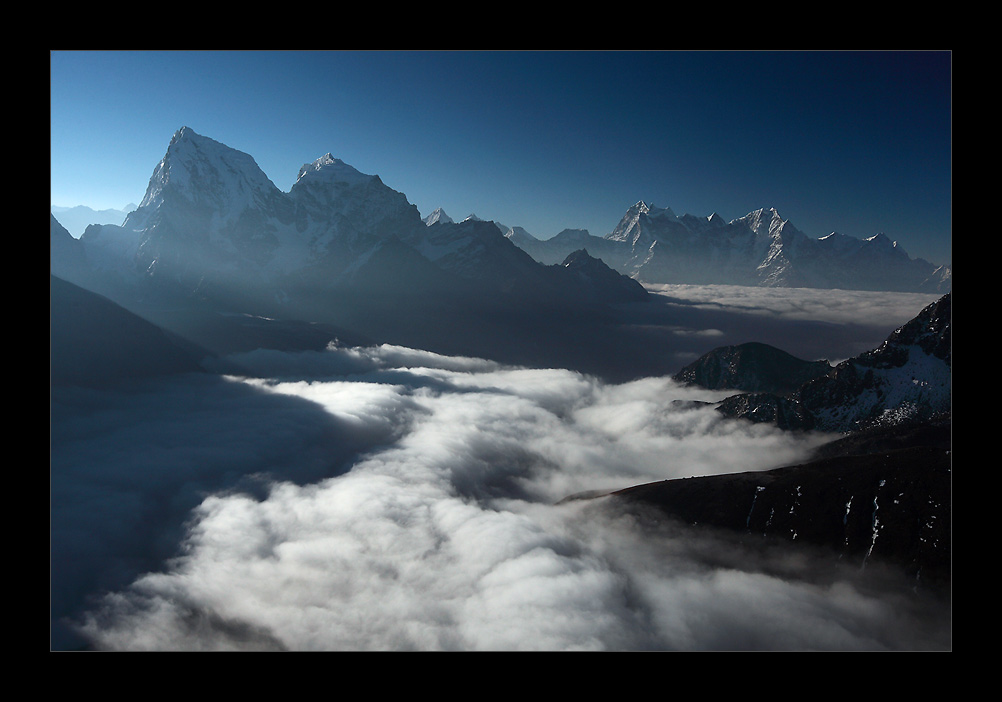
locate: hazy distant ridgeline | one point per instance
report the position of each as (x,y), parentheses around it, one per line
(77,219)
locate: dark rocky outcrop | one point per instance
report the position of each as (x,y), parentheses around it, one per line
(907,378)
(752,367)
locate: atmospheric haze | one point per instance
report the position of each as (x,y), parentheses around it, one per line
(387,498)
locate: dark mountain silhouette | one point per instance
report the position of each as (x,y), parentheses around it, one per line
(596,281)
(753,367)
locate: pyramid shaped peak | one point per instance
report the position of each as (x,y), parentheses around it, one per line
(184,133)
(578,257)
(203,170)
(186,144)
(438,215)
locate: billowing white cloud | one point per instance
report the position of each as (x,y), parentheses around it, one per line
(436,526)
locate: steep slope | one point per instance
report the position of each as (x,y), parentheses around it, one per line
(597,282)
(209,208)
(866,509)
(106,268)
(907,378)
(93,341)
(66,254)
(212,223)
(477,250)
(342,212)
(438,215)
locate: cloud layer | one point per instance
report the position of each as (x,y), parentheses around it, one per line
(392,499)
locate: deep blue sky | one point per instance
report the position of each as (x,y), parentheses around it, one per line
(858,143)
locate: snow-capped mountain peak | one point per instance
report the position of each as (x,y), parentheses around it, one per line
(204,171)
(765,222)
(653,211)
(333,170)
(632,227)
(438,215)
(761,248)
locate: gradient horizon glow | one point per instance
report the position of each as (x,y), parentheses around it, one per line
(853,142)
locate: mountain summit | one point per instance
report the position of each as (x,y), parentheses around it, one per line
(654,245)
(214,234)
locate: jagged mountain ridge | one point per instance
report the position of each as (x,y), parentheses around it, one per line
(214,238)
(212,217)
(595,275)
(907,378)
(654,245)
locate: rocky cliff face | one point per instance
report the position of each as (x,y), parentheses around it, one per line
(907,378)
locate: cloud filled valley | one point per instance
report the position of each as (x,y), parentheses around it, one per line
(387,498)
(291,412)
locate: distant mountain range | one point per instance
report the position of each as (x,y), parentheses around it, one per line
(654,245)
(341,248)
(76,219)
(333,212)
(211,220)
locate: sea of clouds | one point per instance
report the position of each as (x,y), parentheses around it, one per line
(387,498)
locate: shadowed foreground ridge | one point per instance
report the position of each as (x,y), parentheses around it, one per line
(881,497)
